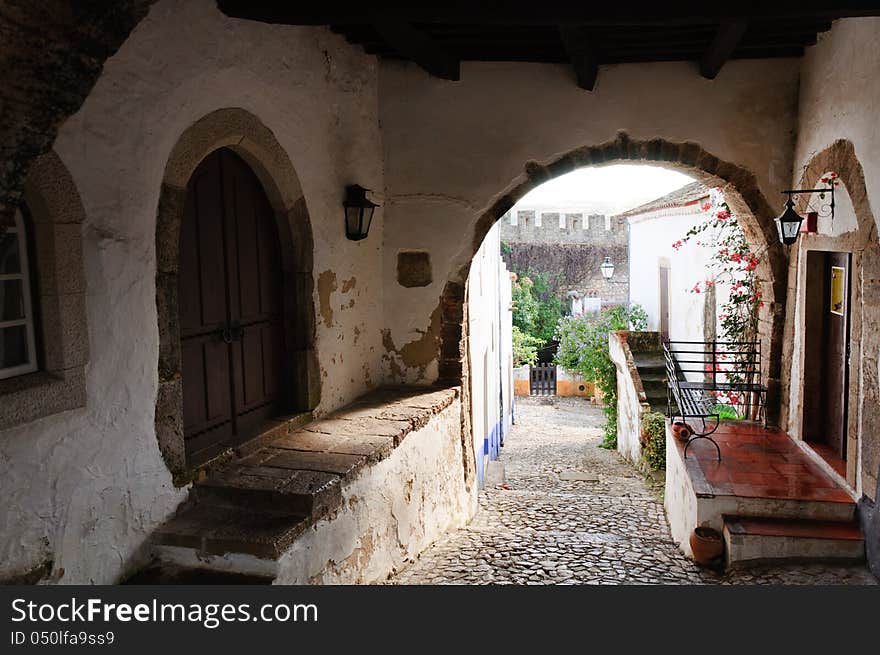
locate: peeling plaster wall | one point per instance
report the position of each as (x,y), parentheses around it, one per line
(84,488)
(452,148)
(390,513)
(840,99)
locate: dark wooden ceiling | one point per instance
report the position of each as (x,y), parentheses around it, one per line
(586,35)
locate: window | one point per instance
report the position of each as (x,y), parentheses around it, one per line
(514,218)
(17,343)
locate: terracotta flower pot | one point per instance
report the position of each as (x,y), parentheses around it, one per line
(682,430)
(706,544)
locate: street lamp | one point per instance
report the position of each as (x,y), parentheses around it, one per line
(607,268)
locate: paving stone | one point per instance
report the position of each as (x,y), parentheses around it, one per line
(549,530)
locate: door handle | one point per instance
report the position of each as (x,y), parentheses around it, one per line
(224,333)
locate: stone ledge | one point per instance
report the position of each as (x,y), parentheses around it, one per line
(258,503)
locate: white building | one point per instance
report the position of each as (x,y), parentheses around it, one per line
(664,276)
(490,350)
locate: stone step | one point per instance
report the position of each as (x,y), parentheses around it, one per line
(750,540)
(650,361)
(164,573)
(218,530)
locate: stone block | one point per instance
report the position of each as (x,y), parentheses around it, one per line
(414,269)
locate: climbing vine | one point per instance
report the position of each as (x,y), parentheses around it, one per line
(732,265)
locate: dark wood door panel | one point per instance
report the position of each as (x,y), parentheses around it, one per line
(230,304)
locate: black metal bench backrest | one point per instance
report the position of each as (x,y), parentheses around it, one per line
(718,360)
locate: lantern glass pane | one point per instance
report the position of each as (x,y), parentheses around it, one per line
(353,220)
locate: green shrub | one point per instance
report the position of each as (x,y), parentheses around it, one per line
(654,437)
(525,348)
(583,348)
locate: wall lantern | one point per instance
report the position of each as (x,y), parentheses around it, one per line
(788,224)
(607,268)
(358,212)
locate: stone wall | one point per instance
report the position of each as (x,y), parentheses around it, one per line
(838,131)
(632,403)
(569,256)
(83,489)
(540,226)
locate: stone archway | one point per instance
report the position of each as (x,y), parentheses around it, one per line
(864,388)
(741,191)
(246,135)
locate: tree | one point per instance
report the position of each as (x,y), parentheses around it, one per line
(583,349)
(525,348)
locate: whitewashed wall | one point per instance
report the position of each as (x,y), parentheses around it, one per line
(452,148)
(651,238)
(490,349)
(85,488)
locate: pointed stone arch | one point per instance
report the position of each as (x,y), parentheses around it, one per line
(864,386)
(244,133)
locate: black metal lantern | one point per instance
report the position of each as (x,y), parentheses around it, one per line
(789,223)
(607,268)
(358,212)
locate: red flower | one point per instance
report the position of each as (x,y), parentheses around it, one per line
(707,206)
(710,283)
(723,215)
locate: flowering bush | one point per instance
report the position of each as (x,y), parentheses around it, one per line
(583,348)
(734,264)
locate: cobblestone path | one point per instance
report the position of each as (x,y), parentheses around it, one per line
(608,529)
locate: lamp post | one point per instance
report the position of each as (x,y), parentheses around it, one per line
(607,268)
(358,212)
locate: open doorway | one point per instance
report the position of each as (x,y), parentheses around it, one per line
(826,355)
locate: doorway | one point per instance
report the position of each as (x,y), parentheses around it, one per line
(230,307)
(663,276)
(826,354)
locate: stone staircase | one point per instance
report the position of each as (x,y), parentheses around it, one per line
(240,519)
(652,371)
(752,539)
(767,497)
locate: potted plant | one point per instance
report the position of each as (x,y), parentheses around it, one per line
(706,544)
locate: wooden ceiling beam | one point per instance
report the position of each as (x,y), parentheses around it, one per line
(729,34)
(576,41)
(419,47)
(528,12)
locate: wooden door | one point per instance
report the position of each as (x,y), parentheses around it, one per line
(826,351)
(229,300)
(664,301)
(836,312)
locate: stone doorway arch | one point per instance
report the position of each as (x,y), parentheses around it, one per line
(741,190)
(243,133)
(863,389)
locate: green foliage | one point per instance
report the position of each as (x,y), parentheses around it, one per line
(525,305)
(654,435)
(726,412)
(536,310)
(525,348)
(583,349)
(505,249)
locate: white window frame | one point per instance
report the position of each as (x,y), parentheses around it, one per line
(25,274)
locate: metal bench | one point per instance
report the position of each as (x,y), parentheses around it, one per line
(730,368)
